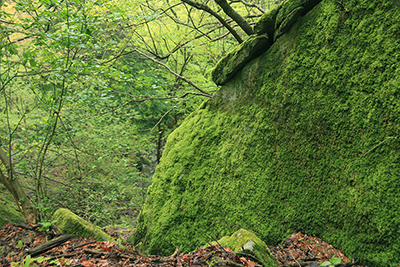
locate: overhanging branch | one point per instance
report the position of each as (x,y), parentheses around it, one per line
(173,72)
(207,9)
(235,16)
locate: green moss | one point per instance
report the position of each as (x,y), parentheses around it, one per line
(70,223)
(291,18)
(235,60)
(267,22)
(8,209)
(247,242)
(289,5)
(276,150)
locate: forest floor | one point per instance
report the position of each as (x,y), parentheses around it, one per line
(19,241)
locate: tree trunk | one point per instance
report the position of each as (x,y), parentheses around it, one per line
(13,185)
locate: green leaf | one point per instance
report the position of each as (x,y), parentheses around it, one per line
(20,244)
(11,50)
(336,260)
(41,258)
(32,62)
(326,263)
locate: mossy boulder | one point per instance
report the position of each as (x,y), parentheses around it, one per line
(245,241)
(70,223)
(8,209)
(303,138)
(234,61)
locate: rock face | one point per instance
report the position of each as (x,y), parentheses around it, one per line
(304,137)
(70,223)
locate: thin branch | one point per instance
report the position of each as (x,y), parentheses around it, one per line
(235,16)
(163,11)
(173,72)
(166,113)
(147,97)
(207,9)
(373,149)
(250,5)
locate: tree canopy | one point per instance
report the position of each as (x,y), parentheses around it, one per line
(91,89)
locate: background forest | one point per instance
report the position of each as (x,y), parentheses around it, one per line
(91,89)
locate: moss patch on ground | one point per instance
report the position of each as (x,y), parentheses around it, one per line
(303,138)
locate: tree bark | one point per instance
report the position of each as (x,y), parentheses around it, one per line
(206,8)
(235,16)
(49,245)
(14,186)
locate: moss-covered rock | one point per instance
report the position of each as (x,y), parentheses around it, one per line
(303,138)
(271,26)
(8,209)
(266,24)
(247,242)
(288,6)
(288,22)
(70,223)
(234,61)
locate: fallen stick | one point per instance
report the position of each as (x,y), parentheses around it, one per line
(49,245)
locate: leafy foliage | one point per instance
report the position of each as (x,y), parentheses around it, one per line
(87,113)
(72,122)
(332,262)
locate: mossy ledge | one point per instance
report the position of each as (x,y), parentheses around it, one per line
(305,137)
(268,29)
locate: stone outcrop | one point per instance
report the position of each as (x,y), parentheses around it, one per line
(305,137)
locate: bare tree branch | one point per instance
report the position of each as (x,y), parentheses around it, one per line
(235,16)
(166,113)
(148,97)
(250,5)
(207,9)
(173,72)
(162,12)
